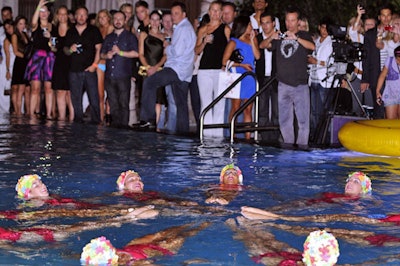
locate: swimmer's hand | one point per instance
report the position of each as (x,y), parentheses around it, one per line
(135,213)
(188,203)
(258,214)
(221,201)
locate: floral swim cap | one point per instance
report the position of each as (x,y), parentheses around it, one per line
(122,177)
(24,185)
(320,249)
(364,179)
(99,252)
(231,166)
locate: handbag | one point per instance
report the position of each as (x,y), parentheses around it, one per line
(225,79)
(236,56)
(28,51)
(29,48)
(143,70)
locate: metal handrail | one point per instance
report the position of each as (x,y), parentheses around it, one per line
(247,103)
(242,107)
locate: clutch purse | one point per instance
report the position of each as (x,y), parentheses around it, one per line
(236,56)
(143,70)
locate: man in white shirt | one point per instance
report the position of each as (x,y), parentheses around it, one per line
(177,71)
(265,70)
(259,7)
(228,13)
(320,79)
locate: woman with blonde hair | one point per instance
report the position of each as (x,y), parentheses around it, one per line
(212,39)
(60,76)
(104,23)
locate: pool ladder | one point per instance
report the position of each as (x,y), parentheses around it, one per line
(232,125)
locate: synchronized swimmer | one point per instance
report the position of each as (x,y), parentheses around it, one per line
(167,242)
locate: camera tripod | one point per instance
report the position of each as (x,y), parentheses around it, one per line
(324,123)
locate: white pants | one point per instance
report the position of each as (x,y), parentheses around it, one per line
(207,80)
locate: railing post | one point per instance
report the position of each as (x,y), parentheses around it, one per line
(241,108)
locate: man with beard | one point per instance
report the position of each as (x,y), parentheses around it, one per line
(118,49)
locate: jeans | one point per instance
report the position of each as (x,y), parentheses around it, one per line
(195,100)
(166,76)
(365,98)
(318,99)
(295,99)
(171,112)
(132,104)
(268,110)
(78,81)
(118,95)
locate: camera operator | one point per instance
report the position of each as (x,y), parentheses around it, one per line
(320,79)
(292,50)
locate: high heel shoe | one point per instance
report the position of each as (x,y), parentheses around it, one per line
(108,119)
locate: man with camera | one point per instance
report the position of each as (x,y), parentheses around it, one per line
(83,44)
(292,49)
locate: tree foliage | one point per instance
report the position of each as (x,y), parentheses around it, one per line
(339,11)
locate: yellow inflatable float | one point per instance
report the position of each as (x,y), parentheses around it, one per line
(380,137)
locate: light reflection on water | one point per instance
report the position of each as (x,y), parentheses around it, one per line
(82,161)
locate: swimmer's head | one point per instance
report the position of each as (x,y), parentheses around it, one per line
(130,181)
(231,175)
(320,248)
(358,184)
(31,186)
(99,252)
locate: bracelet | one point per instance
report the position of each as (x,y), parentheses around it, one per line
(121,53)
(95,65)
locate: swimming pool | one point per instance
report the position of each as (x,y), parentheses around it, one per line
(83,162)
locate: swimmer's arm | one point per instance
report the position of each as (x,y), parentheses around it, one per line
(258,214)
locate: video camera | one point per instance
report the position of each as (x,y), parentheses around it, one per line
(344,50)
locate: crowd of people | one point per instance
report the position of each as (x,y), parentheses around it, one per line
(138,66)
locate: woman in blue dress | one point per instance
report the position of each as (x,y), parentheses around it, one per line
(244,39)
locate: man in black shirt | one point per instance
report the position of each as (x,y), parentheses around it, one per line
(83,44)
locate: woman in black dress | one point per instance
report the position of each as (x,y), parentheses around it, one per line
(151,55)
(60,75)
(19,41)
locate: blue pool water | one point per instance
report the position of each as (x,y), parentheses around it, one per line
(83,162)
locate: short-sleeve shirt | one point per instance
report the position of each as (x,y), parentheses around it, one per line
(119,66)
(89,38)
(291,60)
